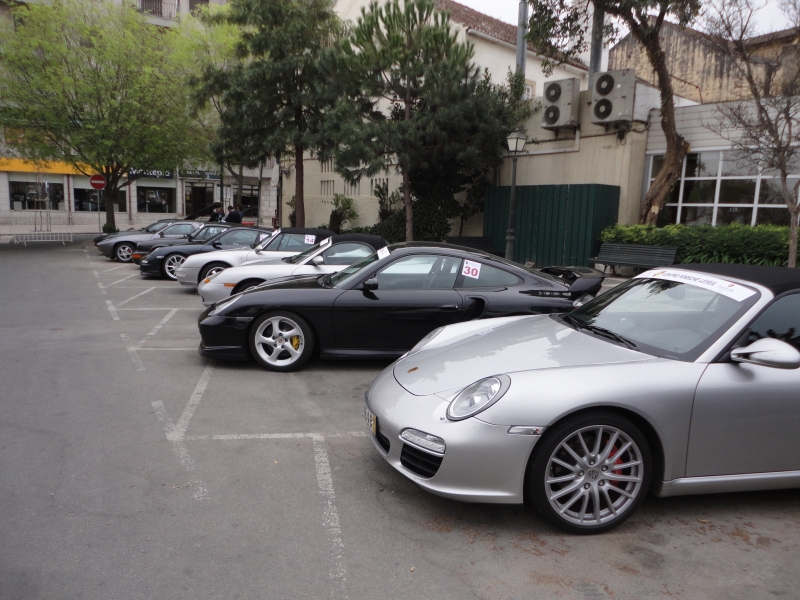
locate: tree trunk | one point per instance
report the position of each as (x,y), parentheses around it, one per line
(677,146)
(409,208)
(241,182)
(110,193)
(299,205)
(793,238)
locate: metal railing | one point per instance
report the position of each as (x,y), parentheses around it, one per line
(41,226)
(156,8)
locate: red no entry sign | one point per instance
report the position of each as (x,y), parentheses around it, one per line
(98,182)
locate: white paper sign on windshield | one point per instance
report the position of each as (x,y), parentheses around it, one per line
(311,239)
(734,291)
(276,232)
(471,269)
(261,236)
(383,253)
(325,242)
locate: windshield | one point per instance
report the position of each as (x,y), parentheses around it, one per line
(351,272)
(156,227)
(298,258)
(669,319)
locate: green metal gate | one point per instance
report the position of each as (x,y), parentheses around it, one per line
(555,224)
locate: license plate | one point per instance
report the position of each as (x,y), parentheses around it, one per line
(372,421)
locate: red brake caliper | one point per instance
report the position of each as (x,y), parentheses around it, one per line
(619,461)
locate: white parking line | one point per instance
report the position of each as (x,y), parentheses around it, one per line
(133,352)
(114,268)
(112,310)
(194,400)
(199,490)
(136,296)
(330,516)
(115,282)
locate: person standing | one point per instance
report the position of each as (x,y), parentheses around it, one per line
(233,216)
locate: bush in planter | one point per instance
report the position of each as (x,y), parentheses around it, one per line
(742,244)
(109,228)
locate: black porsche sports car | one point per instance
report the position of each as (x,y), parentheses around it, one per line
(201,236)
(164,261)
(383,305)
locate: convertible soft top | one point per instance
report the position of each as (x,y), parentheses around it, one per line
(376,241)
(776,279)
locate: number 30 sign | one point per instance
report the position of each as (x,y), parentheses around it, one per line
(471,269)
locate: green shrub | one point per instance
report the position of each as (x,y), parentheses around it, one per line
(431,224)
(342,212)
(109,228)
(742,244)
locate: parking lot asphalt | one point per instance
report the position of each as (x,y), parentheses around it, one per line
(130,467)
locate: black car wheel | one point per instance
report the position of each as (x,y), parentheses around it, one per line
(246,285)
(281,341)
(212,269)
(123,252)
(590,473)
(170,265)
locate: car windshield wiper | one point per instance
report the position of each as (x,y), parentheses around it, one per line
(570,319)
(610,334)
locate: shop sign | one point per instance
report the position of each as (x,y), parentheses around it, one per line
(151,173)
(197,174)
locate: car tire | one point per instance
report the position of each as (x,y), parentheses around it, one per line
(170,265)
(212,269)
(572,480)
(273,349)
(246,285)
(123,252)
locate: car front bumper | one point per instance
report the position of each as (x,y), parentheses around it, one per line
(187,276)
(106,249)
(223,337)
(481,462)
(213,292)
(150,268)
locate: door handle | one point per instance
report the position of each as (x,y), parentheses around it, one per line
(448,307)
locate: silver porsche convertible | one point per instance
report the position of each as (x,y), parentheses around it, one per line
(683,380)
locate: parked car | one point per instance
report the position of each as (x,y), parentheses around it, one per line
(287,241)
(331,255)
(122,247)
(165,262)
(152,228)
(683,380)
(200,236)
(382,305)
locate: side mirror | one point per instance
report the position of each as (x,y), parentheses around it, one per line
(370,285)
(161,234)
(216,245)
(318,260)
(585,285)
(768,352)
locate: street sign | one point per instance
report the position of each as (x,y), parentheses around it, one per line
(98,182)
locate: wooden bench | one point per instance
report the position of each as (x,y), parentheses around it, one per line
(635,255)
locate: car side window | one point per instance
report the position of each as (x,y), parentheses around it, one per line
(242,238)
(345,254)
(487,276)
(780,320)
(293,242)
(421,272)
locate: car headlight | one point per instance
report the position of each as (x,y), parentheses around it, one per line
(219,306)
(478,397)
(424,341)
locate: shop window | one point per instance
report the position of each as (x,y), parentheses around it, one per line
(88,200)
(773,216)
(36,196)
(699,192)
(770,192)
(731,167)
(248,200)
(155,200)
(737,191)
(702,164)
(734,214)
(697,215)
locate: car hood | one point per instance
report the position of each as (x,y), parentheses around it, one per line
(511,345)
(130,237)
(286,283)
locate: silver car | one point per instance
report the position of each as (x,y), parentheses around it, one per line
(682,380)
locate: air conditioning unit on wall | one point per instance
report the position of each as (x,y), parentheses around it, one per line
(560,103)
(613,96)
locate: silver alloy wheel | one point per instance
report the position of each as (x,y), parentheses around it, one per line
(279,341)
(124,252)
(214,270)
(594,475)
(171,264)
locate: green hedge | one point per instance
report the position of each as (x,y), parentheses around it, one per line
(742,244)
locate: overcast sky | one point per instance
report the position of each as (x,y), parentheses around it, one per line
(770,18)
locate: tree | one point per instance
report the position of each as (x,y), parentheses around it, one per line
(411,97)
(764,129)
(273,99)
(559,32)
(91,83)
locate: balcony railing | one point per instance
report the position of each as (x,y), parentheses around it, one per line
(157,8)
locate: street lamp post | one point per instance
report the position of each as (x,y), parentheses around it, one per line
(516,142)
